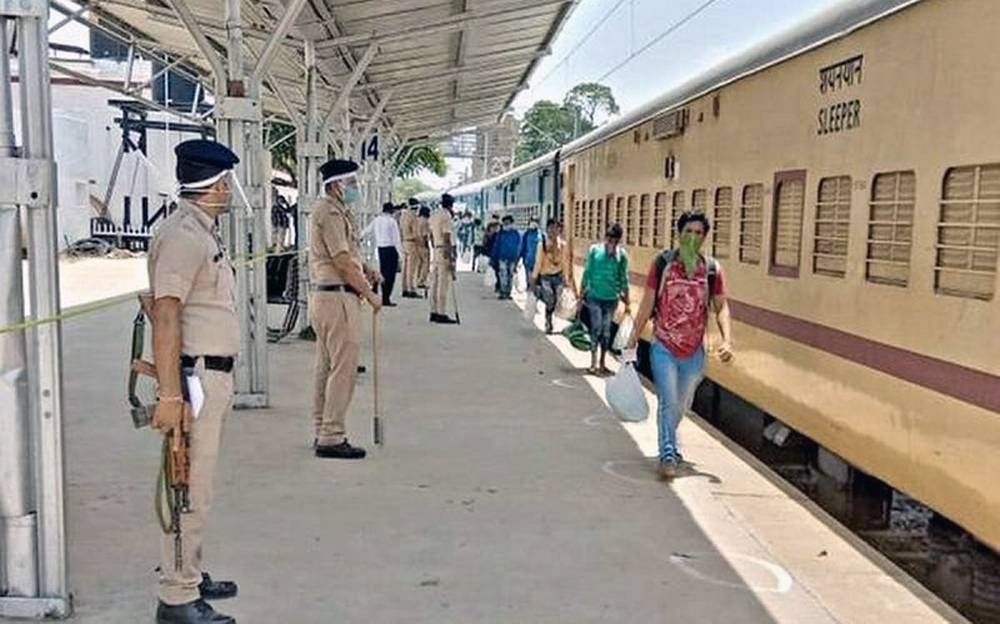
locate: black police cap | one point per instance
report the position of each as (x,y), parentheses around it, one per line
(335,169)
(447,200)
(199,160)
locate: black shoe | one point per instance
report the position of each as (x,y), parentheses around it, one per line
(445,320)
(409,294)
(197,612)
(216,590)
(388,304)
(434,318)
(344,450)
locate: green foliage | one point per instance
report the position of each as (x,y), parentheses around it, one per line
(548,125)
(590,97)
(405,188)
(427,157)
(283,154)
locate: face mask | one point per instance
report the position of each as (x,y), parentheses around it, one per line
(351,195)
(688,250)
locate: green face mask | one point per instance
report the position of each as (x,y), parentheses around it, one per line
(688,250)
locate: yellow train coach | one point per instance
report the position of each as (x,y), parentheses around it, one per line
(851,170)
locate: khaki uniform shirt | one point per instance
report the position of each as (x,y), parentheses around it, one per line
(440,224)
(407,221)
(187,260)
(331,232)
(423,229)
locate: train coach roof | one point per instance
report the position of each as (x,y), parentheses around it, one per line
(838,21)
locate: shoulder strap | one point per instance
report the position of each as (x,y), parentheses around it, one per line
(662,262)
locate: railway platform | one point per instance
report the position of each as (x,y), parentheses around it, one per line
(506,492)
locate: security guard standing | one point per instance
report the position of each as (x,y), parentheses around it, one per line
(442,235)
(423,250)
(195,326)
(340,281)
(408,228)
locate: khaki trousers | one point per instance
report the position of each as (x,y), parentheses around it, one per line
(440,283)
(336,317)
(409,262)
(423,267)
(181,586)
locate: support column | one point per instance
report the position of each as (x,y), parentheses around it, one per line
(33,576)
(311,152)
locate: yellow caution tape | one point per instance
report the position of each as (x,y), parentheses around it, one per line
(113,301)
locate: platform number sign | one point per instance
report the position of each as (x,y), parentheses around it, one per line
(369,149)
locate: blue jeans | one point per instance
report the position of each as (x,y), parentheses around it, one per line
(549,287)
(601,313)
(505,276)
(676,380)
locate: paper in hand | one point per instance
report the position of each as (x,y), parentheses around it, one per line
(196,393)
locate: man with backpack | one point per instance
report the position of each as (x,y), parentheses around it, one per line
(506,247)
(604,282)
(680,286)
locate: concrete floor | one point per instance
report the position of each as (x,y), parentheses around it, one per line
(506,493)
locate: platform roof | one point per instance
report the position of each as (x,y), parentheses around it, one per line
(440,64)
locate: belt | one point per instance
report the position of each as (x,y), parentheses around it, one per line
(409,240)
(347,288)
(222,363)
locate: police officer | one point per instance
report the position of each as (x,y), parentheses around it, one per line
(442,239)
(195,326)
(408,228)
(423,249)
(340,281)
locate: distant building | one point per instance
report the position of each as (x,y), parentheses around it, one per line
(495,149)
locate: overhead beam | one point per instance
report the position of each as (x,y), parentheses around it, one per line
(376,115)
(273,44)
(180,7)
(345,92)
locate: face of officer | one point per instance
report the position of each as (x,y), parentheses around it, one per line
(216,197)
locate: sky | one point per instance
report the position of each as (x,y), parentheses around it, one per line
(615,42)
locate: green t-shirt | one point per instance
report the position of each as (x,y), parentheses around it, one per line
(605,277)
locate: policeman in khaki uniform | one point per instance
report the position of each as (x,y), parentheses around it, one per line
(444,261)
(408,229)
(340,280)
(195,325)
(423,251)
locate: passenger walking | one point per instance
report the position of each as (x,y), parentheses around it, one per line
(529,247)
(489,240)
(341,280)
(442,239)
(195,328)
(423,248)
(478,248)
(553,270)
(680,286)
(604,283)
(506,247)
(390,249)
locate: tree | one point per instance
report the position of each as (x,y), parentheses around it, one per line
(546,126)
(403,189)
(283,154)
(588,98)
(427,157)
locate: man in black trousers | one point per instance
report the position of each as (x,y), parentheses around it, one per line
(389,244)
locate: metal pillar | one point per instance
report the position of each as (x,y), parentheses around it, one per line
(310,152)
(33,577)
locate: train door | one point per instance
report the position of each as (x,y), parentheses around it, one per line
(570,187)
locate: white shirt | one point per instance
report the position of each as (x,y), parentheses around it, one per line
(386,231)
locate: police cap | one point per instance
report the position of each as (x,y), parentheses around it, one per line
(336,169)
(200,163)
(447,200)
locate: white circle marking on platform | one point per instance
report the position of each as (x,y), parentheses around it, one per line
(609,468)
(562,384)
(597,420)
(782,579)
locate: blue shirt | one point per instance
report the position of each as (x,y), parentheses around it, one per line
(507,245)
(529,249)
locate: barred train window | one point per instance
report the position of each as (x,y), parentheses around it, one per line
(644,220)
(751,223)
(969,232)
(620,211)
(890,228)
(722,225)
(601,227)
(699,200)
(676,209)
(659,212)
(590,220)
(577,220)
(833,220)
(630,226)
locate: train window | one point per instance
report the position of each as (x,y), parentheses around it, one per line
(722,225)
(833,220)
(890,228)
(601,225)
(699,200)
(620,211)
(969,232)
(591,220)
(786,230)
(659,213)
(577,221)
(677,207)
(630,225)
(644,229)
(751,223)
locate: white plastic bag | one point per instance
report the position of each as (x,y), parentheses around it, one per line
(489,279)
(624,332)
(520,281)
(567,305)
(625,396)
(530,307)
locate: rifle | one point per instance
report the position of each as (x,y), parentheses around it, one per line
(172,486)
